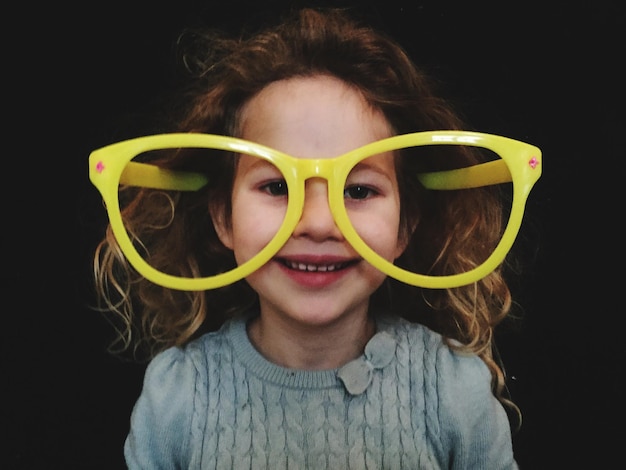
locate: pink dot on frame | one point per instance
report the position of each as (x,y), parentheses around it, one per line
(533,162)
(100,167)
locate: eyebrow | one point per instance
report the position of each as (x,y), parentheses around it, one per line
(257,163)
(364,166)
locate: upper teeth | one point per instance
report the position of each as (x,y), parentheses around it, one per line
(312,267)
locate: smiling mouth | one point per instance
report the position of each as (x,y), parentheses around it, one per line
(316,268)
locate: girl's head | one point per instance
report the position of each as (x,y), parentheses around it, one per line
(313,118)
(229,75)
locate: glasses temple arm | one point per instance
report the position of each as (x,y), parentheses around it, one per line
(151,176)
(483,174)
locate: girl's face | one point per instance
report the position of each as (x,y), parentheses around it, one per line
(316,278)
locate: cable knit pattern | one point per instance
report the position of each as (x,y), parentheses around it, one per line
(218,404)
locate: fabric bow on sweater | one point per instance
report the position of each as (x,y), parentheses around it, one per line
(357,375)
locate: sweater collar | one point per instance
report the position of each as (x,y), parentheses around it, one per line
(355,376)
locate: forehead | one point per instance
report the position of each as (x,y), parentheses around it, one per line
(312,117)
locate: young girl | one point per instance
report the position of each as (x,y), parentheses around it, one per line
(315,274)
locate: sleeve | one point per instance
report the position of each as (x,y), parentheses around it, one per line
(475,426)
(160,424)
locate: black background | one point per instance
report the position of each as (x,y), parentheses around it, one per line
(82,76)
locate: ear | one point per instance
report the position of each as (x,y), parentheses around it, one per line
(404,237)
(222,226)
(401,245)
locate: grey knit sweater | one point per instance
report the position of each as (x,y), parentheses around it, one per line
(408,403)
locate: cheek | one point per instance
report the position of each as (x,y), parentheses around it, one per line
(380,232)
(253,227)
(386,242)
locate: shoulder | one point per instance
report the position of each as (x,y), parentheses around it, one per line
(471,422)
(464,419)
(182,364)
(165,403)
(470,419)
(166,419)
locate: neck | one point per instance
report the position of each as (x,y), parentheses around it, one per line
(311,347)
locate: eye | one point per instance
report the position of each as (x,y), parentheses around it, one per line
(275,188)
(358,191)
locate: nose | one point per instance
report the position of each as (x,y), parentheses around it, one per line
(316,222)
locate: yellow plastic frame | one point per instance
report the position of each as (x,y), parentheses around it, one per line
(111,166)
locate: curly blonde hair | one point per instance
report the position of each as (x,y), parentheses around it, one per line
(227,73)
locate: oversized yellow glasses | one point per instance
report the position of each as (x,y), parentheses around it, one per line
(353,189)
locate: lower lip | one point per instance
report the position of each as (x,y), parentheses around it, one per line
(314,279)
